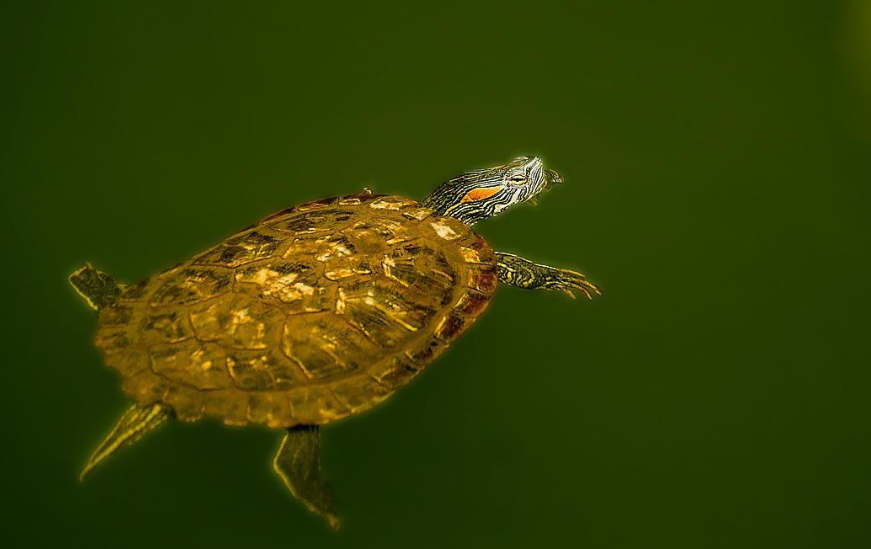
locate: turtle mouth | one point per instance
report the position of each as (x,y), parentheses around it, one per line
(551,179)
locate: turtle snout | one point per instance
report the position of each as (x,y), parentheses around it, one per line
(551,178)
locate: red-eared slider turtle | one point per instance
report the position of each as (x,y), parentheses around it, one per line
(315,313)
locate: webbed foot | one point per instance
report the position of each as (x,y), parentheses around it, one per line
(522,273)
(298,465)
(96,287)
(567,281)
(135,422)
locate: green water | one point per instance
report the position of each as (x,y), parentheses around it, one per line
(717,166)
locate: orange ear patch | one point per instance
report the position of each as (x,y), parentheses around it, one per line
(481,193)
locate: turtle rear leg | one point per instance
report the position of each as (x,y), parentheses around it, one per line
(135,422)
(298,465)
(96,287)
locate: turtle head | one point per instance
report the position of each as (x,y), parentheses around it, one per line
(480,194)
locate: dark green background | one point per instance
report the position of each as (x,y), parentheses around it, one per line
(717,163)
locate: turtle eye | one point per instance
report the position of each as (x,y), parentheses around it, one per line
(517,179)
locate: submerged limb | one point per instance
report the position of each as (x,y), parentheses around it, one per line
(298,465)
(135,422)
(96,287)
(522,273)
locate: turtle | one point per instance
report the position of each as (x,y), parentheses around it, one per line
(315,313)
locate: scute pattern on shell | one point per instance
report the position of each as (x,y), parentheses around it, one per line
(315,313)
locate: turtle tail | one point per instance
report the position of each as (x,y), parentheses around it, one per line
(97,288)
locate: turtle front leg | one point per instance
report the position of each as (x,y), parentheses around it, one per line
(298,465)
(522,273)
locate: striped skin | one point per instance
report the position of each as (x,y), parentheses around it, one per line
(481,194)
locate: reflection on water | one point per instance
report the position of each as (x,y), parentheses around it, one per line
(856,41)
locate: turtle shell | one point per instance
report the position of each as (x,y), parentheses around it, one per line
(315,313)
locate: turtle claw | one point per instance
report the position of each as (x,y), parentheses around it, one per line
(569,282)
